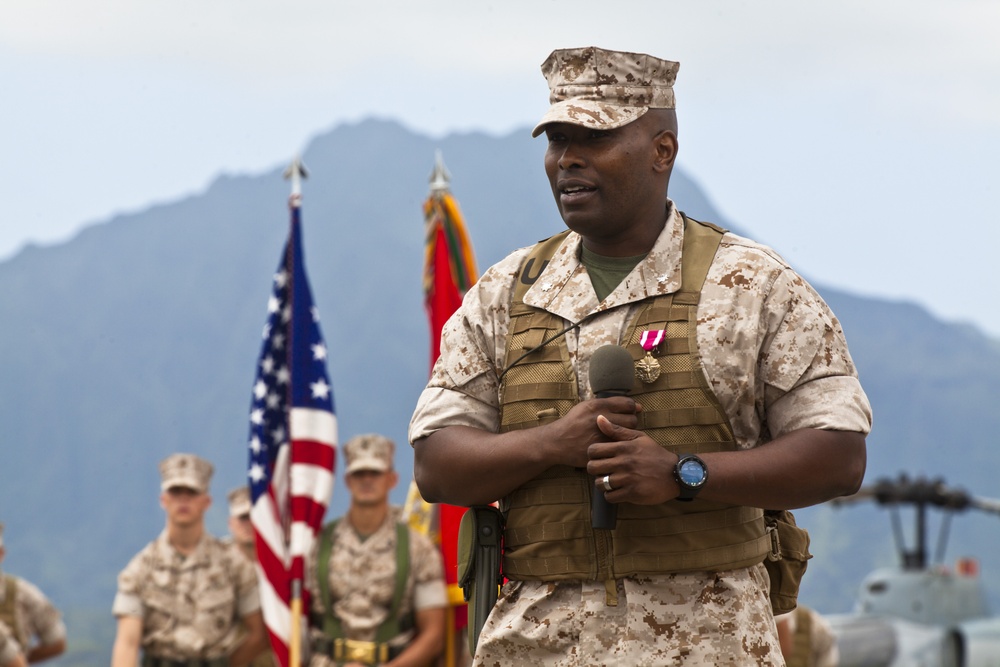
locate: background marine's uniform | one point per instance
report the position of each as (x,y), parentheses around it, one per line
(191,606)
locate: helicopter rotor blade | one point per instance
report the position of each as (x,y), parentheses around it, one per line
(991,505)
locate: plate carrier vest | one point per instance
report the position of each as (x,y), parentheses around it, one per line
(548,534)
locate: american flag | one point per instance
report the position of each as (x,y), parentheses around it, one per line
(293,441)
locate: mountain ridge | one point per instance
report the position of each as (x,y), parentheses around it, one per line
(138,337)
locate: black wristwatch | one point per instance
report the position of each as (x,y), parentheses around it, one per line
(691,474)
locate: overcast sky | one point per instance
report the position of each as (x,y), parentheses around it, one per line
(858,138)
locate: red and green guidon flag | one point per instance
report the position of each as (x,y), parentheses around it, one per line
(449,263)
(449,272)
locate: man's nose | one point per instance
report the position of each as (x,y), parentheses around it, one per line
(570,157)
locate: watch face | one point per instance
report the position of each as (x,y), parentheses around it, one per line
(692,472)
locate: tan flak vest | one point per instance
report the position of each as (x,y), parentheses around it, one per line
(548,534)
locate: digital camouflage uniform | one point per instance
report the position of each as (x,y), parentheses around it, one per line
(191,606)
(35,617)
(776,358)
(363,580)
(9,648)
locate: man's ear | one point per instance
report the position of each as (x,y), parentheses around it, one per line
(393,479)
(665,145)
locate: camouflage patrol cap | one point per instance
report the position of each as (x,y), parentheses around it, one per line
(239,501)
(604,89)
(187,470)
(370,451)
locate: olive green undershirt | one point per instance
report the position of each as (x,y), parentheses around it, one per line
(606,273)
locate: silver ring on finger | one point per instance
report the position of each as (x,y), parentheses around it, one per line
(606,481)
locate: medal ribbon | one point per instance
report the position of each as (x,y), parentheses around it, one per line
(651,338)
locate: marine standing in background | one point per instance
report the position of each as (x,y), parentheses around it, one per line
(240,529)
(32,620)
(743,397)
(807,640)
(242,536)
(186,597)
(377,586)
(10,651)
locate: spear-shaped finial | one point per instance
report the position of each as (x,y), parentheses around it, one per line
(440,178)
(296,171)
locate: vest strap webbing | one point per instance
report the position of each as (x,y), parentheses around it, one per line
(390,627)
(535,263)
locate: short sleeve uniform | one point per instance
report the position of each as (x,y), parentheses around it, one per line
(9,648)
(36,616)
(362,578)
(190,605)
(776,358)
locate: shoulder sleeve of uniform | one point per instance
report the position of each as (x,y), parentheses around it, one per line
(243,576)
(470,337)
(462,389)
(811,379)
(768,339)
(429,589)
(128,599)
(43,619)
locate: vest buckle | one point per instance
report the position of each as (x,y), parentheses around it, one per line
(775,551)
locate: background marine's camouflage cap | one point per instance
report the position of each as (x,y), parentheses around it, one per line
(187,470)
(369,452)
(239,501)
(605,89)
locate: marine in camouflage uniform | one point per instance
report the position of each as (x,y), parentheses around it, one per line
(807,640)
(765,347)
(10,650)
(362,569)
(30,617)
(183,598)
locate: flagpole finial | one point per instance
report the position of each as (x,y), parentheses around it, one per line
(295,172)
(440,178)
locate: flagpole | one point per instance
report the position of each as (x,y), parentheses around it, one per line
(295,172)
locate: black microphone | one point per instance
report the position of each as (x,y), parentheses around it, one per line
(612,373)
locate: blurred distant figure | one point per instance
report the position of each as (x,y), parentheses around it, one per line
(243,541)
(377,586)
(240,528)
(186,597)
(806,639)
(31,619)
(10,652)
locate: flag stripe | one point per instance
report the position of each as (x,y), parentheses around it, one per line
(316,425)
(292,443)
(311,454)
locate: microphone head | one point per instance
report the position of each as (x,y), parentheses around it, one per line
(611,370)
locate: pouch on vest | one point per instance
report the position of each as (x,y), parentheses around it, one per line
(787,560)
(479,552)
